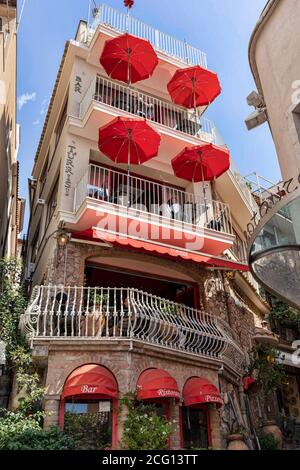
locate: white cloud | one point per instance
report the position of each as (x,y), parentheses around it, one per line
(36,123)
(44,106)
(26,98)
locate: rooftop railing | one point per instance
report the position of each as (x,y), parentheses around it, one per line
(162,42)
(130,100)
(163,202)
(105,313)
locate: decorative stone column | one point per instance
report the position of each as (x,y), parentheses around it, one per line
(175,419)
(51,408)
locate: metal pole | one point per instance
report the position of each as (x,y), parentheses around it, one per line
(204,190)
(127,19)
(186,51)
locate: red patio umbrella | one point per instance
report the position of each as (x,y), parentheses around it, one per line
(201,163)
(194,86)
(129,59)
(129,140)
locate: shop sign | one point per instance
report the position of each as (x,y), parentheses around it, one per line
(104,406)
(212,399)
(163,392)
(69,168)
(88,389)
(284,189)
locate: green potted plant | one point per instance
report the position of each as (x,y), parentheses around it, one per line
(236,438)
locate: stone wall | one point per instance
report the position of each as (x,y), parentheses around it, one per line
(216,290)
(217,296)
(127,362)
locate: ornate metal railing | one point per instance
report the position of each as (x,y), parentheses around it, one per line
(130,100)
(154,199)
(124,313)
(162,42)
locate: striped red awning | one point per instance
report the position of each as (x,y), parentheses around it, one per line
(159,249)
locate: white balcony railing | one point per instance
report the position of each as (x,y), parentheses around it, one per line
(162,202)
(242,183)
(130,100)
(162,42)
(123,313)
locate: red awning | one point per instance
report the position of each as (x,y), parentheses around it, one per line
(91,379)
(199,391)
(156,384)
(160,250)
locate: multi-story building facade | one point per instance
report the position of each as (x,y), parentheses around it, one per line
(11,206)
(275,242)
(125,298)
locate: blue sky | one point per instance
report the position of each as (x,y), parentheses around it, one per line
(221,28)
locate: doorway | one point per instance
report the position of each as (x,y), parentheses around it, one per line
(195,428)
(89,423)
(176,291)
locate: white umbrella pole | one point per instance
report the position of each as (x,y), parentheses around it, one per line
(204,190)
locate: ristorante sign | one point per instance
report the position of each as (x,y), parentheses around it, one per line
(164,392)
(284,189)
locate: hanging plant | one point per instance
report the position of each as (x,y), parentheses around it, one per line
(269,374)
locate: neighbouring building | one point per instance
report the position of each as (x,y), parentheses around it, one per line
(11,206)
(275,235)
(168,308)
(274,60)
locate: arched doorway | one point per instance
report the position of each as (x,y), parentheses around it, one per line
(158,387)
(199,395)
(89,407)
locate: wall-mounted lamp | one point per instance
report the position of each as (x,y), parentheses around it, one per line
(63,239)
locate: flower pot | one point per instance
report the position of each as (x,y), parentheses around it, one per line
(236,442)
(270,427)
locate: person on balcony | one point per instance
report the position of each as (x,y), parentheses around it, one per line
(174,208)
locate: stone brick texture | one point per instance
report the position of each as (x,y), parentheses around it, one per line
(215,297)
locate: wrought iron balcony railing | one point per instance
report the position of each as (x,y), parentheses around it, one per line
(130,100)
(122,313)
(120,22)
(163,203)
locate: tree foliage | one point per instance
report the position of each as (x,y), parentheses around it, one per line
(264,365)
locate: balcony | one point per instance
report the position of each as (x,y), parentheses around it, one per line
(114,202)
(110,314)
(118,22)
(106,99)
